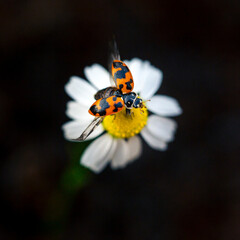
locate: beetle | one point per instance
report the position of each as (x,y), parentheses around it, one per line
(112,100)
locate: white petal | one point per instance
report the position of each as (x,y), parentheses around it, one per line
(152,79)
(121,155)
(73,129)
(147,78)
(80,90)
(162,128)
(135,147)
(153,141)
(99,153)
(78,111)
(126,152)
(98,76)
(164,105)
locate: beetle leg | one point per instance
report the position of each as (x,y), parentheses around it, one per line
(132,115)
(142,111)
(128,112)
(114,117)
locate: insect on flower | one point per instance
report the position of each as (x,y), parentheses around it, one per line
(121,111)
(111,100)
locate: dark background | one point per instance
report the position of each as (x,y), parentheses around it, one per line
(191,191)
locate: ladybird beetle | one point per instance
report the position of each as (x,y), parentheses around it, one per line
(111,100)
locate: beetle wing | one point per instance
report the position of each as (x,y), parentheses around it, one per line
(122,76)
(106,92)
(90,128)
(106,106)
(113,55)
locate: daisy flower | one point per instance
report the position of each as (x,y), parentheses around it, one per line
(120,144)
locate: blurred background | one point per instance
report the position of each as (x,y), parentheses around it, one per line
(191,191)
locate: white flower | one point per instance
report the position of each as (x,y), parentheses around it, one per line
(158,131)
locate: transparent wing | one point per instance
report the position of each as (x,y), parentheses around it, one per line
(114,52)
(90,128)
(106,92)
(113,55)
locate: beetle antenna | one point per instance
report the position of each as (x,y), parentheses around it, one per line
(146,101)
(142,103)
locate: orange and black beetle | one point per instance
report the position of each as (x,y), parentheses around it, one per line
(111,100)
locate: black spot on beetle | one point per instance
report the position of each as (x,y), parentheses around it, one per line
(120,86)
(117,105)
(129,87)
(114,98)
(94,109)
(103,106)
(121,73)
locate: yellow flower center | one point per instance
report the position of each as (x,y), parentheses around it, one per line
(121,125)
